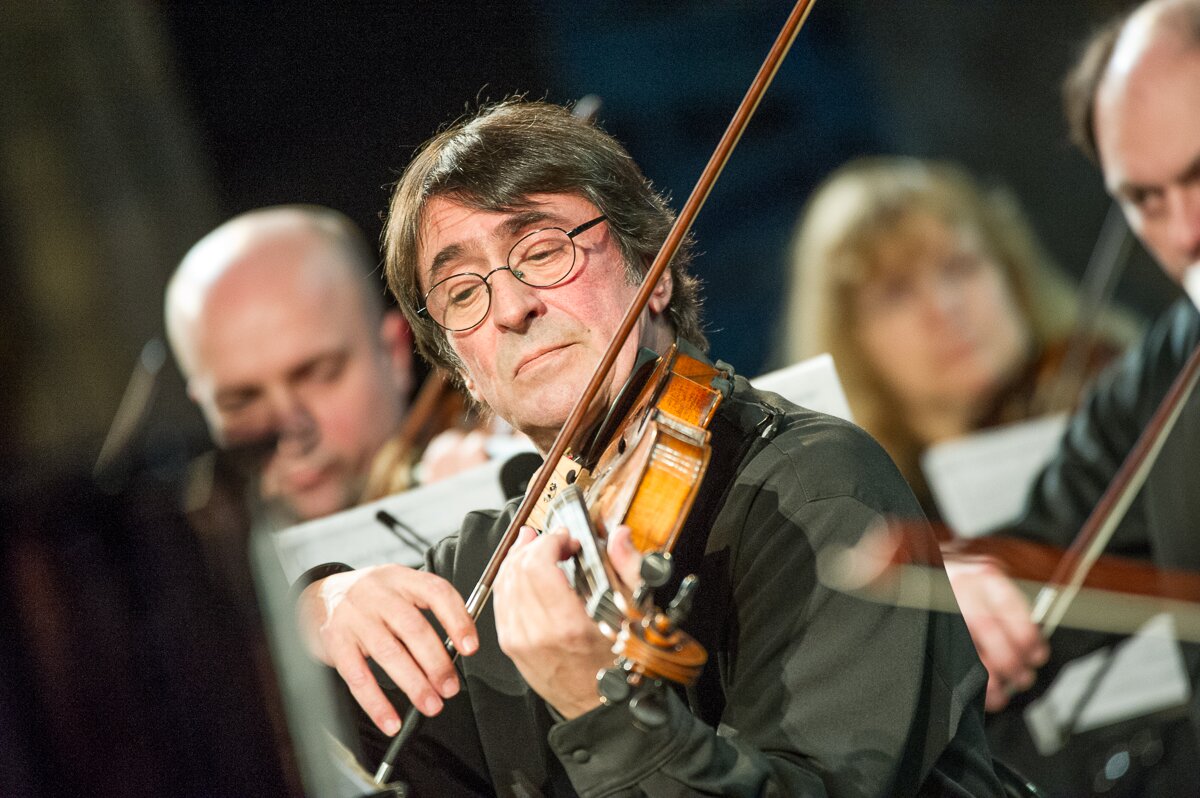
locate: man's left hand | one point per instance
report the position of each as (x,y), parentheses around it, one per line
(542,624)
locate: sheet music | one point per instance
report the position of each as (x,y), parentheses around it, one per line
(357,538)
(811,383)
(980,481)
(1142,675)
(1191,283)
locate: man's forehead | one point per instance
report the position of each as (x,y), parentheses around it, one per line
(1146,118)
(451,228)
(271,321)
(447,212)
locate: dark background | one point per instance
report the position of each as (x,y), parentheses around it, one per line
(130,128)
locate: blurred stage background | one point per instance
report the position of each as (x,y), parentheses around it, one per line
(130,128)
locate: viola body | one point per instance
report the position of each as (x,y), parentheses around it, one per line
(653,453)
(649,472)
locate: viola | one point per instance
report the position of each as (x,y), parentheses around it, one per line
(1031,561)
(642,469)
(438,406)
(1051,382)
(1072,569)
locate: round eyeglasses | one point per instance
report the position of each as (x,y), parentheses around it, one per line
(539,259)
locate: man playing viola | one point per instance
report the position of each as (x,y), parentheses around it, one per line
(806,692)
(1133,102)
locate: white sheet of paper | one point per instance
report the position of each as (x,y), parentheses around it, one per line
(1049,716)
(980,481)
(356,538)
(1191,283)
(1145,674)
(811,383)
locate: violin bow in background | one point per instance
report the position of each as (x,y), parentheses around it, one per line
(879,567)
(1054,599)
(1105,265)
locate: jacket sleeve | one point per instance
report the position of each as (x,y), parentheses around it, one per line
(824,693)
(1102,433)
(446,756)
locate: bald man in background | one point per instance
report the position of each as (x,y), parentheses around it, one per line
(280,332)
(1133,104)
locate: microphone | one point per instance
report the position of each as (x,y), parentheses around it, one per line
(113,463)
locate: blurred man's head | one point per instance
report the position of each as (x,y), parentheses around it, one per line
(280,332)
(1134,105)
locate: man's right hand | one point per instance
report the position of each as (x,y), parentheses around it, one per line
(998,616)
(377,612)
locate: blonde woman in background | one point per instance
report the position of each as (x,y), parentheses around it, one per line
(941,311)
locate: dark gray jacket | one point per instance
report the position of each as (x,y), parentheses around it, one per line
(1161,755)
(807,691)
(1163,525)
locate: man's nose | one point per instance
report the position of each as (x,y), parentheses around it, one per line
(514,304)
(294,424)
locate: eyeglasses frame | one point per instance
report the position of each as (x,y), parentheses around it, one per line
(423,311)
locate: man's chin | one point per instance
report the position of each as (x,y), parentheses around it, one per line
(543,428)
(556,395)
(315,503)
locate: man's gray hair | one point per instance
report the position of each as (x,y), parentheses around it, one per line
(494,160)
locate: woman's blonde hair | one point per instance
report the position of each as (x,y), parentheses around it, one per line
(834,253)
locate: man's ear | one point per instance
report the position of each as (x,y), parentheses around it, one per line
(469,384)
(661,297)
(200,391)
(395,337)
